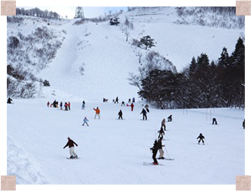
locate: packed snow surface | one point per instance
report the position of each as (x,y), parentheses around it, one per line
(93,63)
(112,151)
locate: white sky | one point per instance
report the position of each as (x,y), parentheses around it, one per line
(69,11)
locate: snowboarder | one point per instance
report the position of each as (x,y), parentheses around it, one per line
(201,138)
(85,122)
(71,144)
(170,118)
(243,124)
(132,106)
(48,104)
(154,150)
(61,105)
(120,115)
(214,121)
(163,124)
(97,112)
(161,152)
(144,114)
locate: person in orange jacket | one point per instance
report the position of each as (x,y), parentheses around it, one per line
(97,110)
(69,105)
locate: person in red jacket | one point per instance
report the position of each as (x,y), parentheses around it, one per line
(132,106)
(71,144)
(69,105)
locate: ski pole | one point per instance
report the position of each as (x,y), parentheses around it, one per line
(167,153)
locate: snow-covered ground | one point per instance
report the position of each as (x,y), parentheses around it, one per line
(112,151)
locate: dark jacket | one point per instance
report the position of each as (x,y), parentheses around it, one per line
(200,137)
(70,143)
(120,113)
(143,112)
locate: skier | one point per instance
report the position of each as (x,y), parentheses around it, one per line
(133,99)
(69,105)
(61,105)
(83,105)
(201,138)
(144,114)
(120,115)
(48,104)
(214,121)
(117,100)
(161,152)
(97,113)
(163,124)
(132,106)
(147,107)
(66,106)
(71,144)
(85,122)
(243,124)
(155,149)
(129,101)
(169,119)
(122,103)
(161,132)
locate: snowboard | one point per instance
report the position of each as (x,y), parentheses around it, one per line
(151,164)
(72,158)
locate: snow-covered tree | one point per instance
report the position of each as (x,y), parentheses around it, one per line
(79,13)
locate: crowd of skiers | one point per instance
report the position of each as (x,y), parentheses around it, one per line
(157,146)
(67,105)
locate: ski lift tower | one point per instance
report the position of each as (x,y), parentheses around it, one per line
(79,12)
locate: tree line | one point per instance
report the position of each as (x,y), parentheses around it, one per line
(202,84)
(36,12)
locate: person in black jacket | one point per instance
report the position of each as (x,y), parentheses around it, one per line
(214,121)
(201,138)
(161,132)
(9,100)
(71,144)
(155,149)
(144,114)
(120,115)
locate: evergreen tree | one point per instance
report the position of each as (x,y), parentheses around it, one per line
(147,41)
(79,13)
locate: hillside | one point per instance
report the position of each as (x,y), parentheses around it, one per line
(93,60)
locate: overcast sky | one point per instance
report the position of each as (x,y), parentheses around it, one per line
(89,12)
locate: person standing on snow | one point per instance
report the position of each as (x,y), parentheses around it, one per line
(214,121)
(161,152)
(97,113)
(66,106)
(163,124)
(169,119)
(120,115)
(83,105)
(201,138)
(61,105)
(155,149)
(71,144)
(85,122)
(161,132)
(132,106)
(48,104)
(144,114)
(69,105)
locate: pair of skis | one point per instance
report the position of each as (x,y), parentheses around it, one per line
(152,164)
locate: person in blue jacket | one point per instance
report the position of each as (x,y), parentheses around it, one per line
(85,122)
